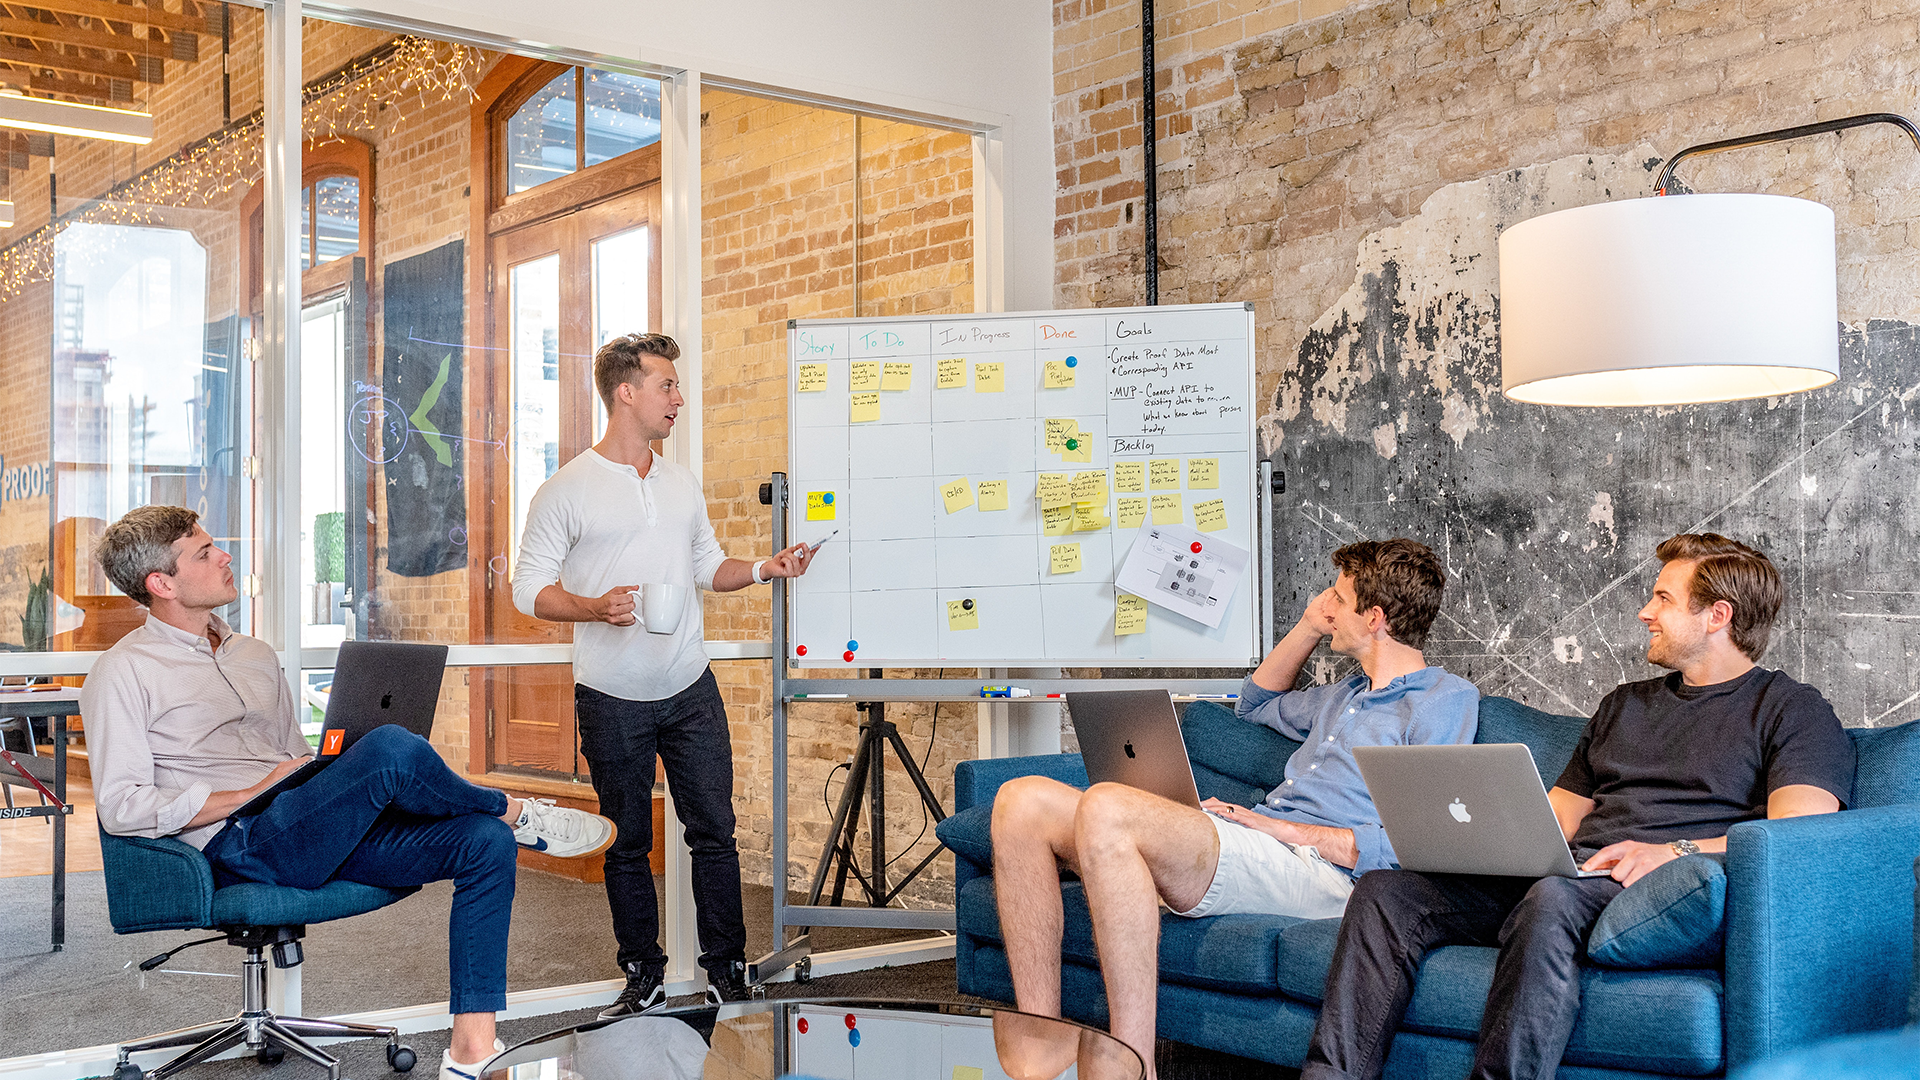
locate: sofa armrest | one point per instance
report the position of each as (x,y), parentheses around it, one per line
(1819,910)
(974,782)
(155,884)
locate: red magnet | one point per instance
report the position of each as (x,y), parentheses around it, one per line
(1196,547)
(800,650)
(851,1021)
(847,656)
(802,1025)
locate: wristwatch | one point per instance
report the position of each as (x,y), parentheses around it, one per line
(1684,847)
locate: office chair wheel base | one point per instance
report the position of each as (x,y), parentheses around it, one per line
(127,1070)
(401,1057)
(267,1055)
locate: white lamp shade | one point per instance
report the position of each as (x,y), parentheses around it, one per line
(1671,300)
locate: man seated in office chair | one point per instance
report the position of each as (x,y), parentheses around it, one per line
(187,721)
(1298,853)
(1661,771)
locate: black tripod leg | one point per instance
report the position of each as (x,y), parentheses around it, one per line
(919,778)
(850,797)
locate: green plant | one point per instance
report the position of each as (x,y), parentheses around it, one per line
(33,622)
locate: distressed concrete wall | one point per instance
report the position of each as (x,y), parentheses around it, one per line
(1350,175)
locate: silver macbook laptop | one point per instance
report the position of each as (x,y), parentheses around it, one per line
(1467,810)
(1132,737)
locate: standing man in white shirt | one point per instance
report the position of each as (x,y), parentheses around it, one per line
(613,518)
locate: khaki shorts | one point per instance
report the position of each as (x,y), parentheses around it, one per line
(1262,875)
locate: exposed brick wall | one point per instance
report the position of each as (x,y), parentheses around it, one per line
(778,243)
(1288,132)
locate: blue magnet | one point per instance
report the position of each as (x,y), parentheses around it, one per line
(827,498)
(853,646)
(853,1037)
(1073,361)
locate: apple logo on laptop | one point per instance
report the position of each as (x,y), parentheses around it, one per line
(1128,747)
(386,701)
(1459,811)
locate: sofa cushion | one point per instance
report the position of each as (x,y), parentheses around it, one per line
(1234,953)
(1887,769)
(1672,917)
(1550,736)
(969,834)
(1224,745)
(1306,951)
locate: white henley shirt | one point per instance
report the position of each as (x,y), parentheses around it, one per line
(596,524)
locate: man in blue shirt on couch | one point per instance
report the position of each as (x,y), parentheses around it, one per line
(1297,854)
(1661,771)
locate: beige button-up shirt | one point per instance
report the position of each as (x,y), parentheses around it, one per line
(170,721)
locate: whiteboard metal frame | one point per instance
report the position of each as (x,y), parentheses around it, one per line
(1258,505)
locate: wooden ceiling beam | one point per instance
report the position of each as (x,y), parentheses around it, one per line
(55,34)
(146,69)
(137,14)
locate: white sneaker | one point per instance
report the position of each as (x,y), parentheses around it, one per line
(562,831)
(453,1070)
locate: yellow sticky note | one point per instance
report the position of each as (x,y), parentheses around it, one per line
(1164,475)
(1058,375)
(1129,614)
(1088,517)
(819,506)
(1203,472)
(1055,490)
(989,378)
(863,375)
(957,495)
(1063,559)
(1133,512)
(1129,476)
(898,375)
(866,407)
(1090,486)
(1166,509)
(991,495)
(1058,432)
(951,373)
(1210,516)
(1056,521)
(813,378)
(969,1072)
(963,615)
(1077,446)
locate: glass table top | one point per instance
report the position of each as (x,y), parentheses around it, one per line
(827,1039)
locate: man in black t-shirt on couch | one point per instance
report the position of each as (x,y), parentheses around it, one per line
(1662,770)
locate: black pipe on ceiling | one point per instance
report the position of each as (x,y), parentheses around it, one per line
(1150,197)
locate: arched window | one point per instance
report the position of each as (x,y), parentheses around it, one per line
(541,138)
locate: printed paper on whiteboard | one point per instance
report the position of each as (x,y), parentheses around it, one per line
(1164,568)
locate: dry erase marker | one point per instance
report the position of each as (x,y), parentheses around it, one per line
(1005,691)
(816,697)
(815,546)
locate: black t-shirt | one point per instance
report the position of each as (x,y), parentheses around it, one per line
(1664,761)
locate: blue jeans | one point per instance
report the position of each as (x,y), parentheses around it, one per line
(389,812)
(688,731)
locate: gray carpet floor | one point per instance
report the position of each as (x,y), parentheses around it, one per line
(91,994)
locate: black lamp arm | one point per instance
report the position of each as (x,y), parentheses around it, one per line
(1901,122)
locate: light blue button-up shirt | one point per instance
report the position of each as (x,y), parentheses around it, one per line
(1323,785)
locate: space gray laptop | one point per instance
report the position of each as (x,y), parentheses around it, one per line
(375,683)
(1467,810)
(1132,737)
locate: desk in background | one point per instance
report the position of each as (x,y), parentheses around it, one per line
(34,774)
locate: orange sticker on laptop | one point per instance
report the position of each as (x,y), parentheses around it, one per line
(330,743)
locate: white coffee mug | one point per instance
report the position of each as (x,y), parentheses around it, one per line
(660,607)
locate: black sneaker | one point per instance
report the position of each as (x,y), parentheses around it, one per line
(644,992)
(728,982)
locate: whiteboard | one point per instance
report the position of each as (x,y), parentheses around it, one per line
(888,416)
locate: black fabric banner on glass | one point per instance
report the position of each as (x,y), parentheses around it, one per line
(411,424)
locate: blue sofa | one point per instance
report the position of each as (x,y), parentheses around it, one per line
(1814,908)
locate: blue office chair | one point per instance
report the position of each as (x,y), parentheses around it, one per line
(168,885)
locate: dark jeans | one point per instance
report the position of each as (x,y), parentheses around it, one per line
(688,731)
(1395,916)
(389,812)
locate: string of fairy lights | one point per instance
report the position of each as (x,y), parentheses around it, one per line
(376,93)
